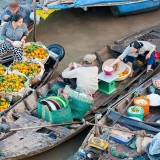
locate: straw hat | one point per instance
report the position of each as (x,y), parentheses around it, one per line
(121,67)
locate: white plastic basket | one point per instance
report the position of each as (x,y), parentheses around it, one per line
(15,96)
(43,61)
(124,77)
(33,79)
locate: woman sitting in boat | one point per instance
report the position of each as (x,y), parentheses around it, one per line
(135,49)
(14,30)
(83,78)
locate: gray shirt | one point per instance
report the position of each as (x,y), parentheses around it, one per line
(146,47)
(13,34)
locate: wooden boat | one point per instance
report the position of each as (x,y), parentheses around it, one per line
(133,8)
(50,67)
(148,124)
(22,144)
(118,8)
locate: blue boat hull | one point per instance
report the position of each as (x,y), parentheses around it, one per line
(127,9)
(117,10)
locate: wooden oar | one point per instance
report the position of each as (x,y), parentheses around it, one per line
(49,125)
(87,123)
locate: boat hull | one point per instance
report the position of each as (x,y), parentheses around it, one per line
(134,8)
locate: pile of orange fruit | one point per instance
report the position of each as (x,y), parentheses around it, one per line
(26,68)
(2,69)
(33,51)
(123,73)
(4,103)
(12,83)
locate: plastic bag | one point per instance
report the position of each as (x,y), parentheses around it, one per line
(33,78)
(43,61)
(14,96)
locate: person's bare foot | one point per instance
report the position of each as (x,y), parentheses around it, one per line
(60,79)
(131,74)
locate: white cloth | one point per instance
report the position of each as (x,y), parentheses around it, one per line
(154,99)
(87,78)
(37,18)
(146,47)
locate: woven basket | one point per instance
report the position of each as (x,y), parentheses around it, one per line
(57,116)
(54,90)
(79,104)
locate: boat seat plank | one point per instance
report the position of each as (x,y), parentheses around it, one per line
(20,107)
(118,49)
(31,100)
(146,37)
(43,89)
(155,35)
(103,53)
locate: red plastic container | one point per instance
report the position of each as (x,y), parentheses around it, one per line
(108,70)
(157,55)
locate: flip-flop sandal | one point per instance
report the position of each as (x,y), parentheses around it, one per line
(151,70)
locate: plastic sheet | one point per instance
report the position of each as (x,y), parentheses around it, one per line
(14,96)
(43,61)
(34,78)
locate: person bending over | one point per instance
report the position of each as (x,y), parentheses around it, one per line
(135,49)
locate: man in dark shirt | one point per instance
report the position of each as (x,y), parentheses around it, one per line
(23,10)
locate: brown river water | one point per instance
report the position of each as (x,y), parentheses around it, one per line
(81,32)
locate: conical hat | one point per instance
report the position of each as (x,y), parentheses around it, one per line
(121,67)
